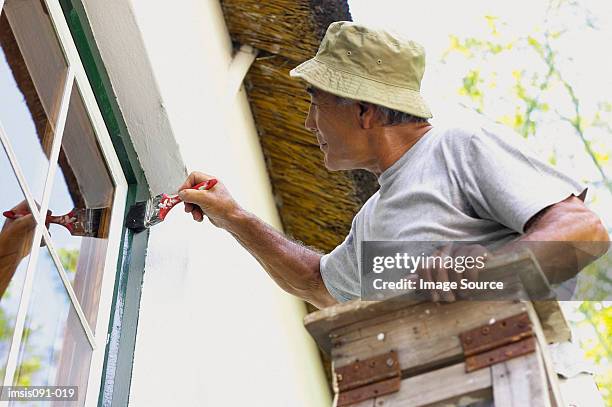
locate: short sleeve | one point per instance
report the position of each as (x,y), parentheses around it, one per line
(339,269)
(509,184)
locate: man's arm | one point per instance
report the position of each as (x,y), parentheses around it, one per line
(565,237)
(295,268)
(569,220)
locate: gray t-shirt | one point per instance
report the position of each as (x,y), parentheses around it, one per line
(454,184)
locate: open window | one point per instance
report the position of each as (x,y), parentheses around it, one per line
(56,158)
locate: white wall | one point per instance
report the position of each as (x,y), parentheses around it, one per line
(214,330)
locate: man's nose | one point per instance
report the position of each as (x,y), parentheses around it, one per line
(310,122)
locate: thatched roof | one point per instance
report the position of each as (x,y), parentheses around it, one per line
(316,206)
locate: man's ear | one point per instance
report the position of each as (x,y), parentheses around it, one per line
(367,115)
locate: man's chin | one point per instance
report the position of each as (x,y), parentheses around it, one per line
(331,166)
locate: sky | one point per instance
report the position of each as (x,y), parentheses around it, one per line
(49,304)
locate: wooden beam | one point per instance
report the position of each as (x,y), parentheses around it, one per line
(326,324)
(448,386)
(425,336)
(520,382)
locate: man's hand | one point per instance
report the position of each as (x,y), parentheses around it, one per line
(15,243)
(16,235)
(216,203)
(437,272)
(293,267)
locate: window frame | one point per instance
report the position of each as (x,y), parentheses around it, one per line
(75,76)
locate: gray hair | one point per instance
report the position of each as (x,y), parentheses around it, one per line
(393,117)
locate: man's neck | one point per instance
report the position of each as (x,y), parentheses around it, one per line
(393,142)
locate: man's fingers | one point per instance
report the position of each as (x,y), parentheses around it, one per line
(188,207)
(194,178)
(475,252)
(21,207)
(425,275)
(197,214)
(191,196)
(440,275)
(24,223)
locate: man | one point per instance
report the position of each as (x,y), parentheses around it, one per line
(435,184)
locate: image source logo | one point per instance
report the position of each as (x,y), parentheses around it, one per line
(481,271)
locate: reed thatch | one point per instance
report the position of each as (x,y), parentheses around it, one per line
(316,206)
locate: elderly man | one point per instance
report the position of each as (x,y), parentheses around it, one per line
(436,184)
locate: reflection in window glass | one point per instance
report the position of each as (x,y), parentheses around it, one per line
(54,350)
(32,76)
(83,189)
(15,245)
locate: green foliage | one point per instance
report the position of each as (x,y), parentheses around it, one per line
(535,86)
(471,87)
(536,91)
(599,347)
(28,367)
(69,259)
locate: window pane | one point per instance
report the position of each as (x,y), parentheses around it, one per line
(32,76)
(15,245)
(54,350)
(84,187)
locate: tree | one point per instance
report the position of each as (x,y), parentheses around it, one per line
(534,91)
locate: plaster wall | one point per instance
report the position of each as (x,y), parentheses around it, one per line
(214,330)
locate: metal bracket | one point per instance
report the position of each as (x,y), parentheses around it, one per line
(369,378)
(497,342)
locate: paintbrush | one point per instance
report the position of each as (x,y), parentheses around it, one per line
(79,221)
(143,215)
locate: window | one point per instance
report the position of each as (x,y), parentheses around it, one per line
(56,281)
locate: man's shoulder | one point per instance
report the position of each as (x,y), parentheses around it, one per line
(466,135)
(455,134)
(450,141)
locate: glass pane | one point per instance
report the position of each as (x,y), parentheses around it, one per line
(54,350)
(83,190)
(15,245)
(32,76)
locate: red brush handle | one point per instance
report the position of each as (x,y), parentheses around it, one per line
(12,214)
(64,220)
(168,202)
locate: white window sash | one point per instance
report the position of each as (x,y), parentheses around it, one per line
(26,291)
(76,76)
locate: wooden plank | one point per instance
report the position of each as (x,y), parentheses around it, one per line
(520,382)
(554,324)
(321,323)
(425,335)
(449,386)
(546,359)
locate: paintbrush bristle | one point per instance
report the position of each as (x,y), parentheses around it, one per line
(143,215)
(83,221)
(135,217)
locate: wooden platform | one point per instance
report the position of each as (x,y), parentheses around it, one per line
(430,343)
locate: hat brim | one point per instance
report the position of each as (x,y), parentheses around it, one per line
(349,85)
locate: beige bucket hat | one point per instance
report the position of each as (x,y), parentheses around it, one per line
(369,65)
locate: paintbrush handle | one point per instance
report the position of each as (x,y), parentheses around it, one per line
(168,202)
(66,220)
(15,214)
